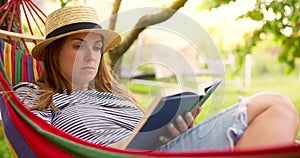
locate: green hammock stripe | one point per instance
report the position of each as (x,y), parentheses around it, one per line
(18,66)
(68,146)
(42,65)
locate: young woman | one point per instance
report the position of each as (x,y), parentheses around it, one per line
(77,94)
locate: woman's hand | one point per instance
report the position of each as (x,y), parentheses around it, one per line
(183,124)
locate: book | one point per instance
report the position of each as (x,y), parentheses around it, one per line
(164,109)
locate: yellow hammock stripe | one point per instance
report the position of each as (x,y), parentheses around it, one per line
(7,61)
(35,73)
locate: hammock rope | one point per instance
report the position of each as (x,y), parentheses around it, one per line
(30,136)
(19,65)
(27,7)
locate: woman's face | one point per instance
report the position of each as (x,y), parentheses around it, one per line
(79,59)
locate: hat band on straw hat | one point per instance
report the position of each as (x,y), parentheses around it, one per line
(73,27)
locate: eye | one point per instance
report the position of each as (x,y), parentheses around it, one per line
(98,49)
(78,46)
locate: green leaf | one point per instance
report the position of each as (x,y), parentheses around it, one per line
(282,57)
(256,15)
(287,14)
(277,6)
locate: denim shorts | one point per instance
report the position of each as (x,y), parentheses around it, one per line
(219,132)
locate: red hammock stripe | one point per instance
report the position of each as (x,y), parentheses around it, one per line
(38,67)
(24,68)
(285,151)
(39,140)
(31,136)
(34,140)
(13,135)
(35,119)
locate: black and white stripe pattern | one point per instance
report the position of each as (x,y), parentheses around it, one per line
(98,117)
(24,88)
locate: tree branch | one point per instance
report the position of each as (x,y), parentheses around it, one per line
(144,22)
(114,15)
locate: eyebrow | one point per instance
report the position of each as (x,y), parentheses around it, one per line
(80,39)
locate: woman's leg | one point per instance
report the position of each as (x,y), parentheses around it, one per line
(272,120)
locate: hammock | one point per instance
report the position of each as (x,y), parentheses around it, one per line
(30,136)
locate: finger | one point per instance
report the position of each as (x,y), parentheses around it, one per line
(189,119)
(164,139)
(182,126)
(196,112)
(173,131)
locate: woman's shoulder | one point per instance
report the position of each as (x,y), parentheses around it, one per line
(23,92)
(26,86)
(23,89)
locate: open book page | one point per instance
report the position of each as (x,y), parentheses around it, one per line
(164,108)
(200,90)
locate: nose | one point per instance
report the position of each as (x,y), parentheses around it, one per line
(90,55)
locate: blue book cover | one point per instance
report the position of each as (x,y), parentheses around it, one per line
(145,136)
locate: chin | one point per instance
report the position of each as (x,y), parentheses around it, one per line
(84,80)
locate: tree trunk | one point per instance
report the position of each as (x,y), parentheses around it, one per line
(114,15)
(144,22)
(112,25)
(15,23)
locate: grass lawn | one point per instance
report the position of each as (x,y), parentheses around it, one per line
(287,85)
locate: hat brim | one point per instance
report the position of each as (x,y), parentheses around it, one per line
(111,40)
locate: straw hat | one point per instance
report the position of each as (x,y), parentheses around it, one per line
(71,20)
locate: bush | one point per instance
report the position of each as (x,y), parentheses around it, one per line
(4,150)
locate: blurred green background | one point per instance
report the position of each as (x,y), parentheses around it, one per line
(221,23)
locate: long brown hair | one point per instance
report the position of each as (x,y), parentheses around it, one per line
(52,81)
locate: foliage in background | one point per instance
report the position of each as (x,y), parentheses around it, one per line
(4,150)
(281,18)
(63,3)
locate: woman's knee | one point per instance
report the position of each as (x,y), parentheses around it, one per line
(279,103)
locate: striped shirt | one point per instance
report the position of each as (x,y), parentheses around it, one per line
(98,117)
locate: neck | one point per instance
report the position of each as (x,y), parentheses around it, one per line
(80,87)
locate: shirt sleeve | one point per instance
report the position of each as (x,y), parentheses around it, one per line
(24,88)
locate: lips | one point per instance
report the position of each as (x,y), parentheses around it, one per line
(89,68)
